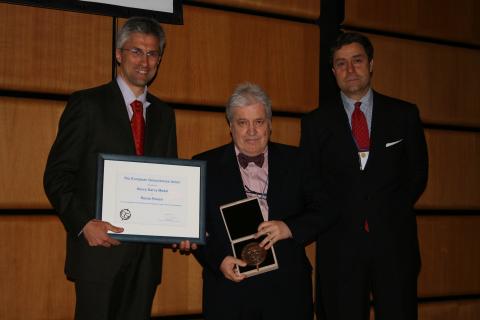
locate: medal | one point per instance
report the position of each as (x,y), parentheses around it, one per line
(253,254)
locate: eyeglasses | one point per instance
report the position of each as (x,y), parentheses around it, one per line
(139,53)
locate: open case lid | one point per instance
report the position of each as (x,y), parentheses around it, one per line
(242,217)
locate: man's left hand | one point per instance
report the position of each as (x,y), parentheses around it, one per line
(274,230)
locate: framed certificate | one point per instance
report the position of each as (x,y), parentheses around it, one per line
(159,200)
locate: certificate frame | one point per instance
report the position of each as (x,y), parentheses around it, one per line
(155,200)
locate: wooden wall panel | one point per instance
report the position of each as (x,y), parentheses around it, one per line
(454,173)
(32,282)
(446,310)
(215,50)
(181,289)
(27,130)
(441,19)
(53,51)
(449,247)
(198,131)
(286,130)
(441,80)
(304,9)
(450,310)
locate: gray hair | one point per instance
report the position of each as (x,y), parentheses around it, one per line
(247,94)
(141,25)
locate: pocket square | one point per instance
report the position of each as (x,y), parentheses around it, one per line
(389,144)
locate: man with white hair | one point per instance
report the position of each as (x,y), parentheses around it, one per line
(252,166)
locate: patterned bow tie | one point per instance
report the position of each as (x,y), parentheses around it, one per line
(244,160)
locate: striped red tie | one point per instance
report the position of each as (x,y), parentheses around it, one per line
(360,128)
(138,126)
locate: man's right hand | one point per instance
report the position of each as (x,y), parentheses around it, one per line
(95,232)
(228,268)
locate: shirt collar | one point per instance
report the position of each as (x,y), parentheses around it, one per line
(128,94)
(366,100)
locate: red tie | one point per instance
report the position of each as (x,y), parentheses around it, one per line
(138,126)
(360,134)
(360,128)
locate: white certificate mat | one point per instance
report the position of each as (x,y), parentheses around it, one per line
(153,199)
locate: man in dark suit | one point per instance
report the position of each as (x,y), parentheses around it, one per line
(369,154)
(252,166)
(113,280)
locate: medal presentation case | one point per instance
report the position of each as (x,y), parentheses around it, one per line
(241,220)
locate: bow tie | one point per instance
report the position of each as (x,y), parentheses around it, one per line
(244,160)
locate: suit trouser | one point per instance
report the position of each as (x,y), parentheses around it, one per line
(128,296)
(346,280)
(260,297)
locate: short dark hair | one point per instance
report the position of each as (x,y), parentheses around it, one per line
(348,38)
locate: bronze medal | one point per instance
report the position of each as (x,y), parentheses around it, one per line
(253,254)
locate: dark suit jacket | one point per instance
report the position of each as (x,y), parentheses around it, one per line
(286,202)
(384,193)
(96,121)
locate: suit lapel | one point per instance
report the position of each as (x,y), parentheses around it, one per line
(276,170)
(119,115)
(152,127)
(377,130)
(230,172)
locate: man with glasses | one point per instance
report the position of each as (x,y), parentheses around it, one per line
(251,166)
(113,280)
(369,155)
